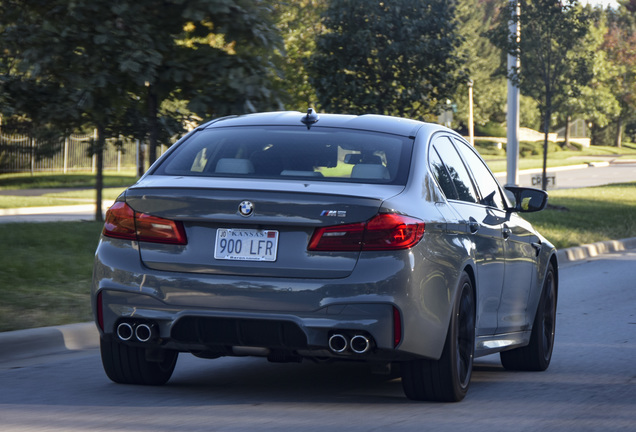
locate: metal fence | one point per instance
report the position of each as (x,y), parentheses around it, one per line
(22,153)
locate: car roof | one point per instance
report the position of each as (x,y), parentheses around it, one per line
(368,122)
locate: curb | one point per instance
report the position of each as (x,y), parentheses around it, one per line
(38,342)
(580,253)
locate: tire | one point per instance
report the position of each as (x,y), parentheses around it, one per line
(124,364)
(537,354)
(447,379)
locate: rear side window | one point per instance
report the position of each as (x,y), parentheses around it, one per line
(489,187)
(464,189)
(320,154)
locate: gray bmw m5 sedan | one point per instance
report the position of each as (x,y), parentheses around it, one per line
(298,236)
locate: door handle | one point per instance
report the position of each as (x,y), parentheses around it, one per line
(473,225)
(537,247)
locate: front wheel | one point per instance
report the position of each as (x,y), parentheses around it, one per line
(125,364)
(537,354)
(447,379)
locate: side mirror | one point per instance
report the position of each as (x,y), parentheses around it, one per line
(527,200)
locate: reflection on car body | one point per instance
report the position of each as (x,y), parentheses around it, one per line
(325,237)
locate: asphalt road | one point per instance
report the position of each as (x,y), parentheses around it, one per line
(590,386)
(578,176)
(585,177)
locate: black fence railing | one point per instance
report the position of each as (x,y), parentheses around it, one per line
(22,153)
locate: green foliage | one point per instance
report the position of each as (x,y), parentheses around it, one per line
(482,59)
(396,58)
(490,129)
(530,148)
(299,24)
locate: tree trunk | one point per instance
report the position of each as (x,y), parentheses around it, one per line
(619,132)
(98,149)
(153,125)
(546,129)
(568,118)
(142,159)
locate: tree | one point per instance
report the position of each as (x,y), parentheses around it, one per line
(118,64)
(596,101)
(299,24)
(482,59)
(398,57)
(619,43)
(551,30)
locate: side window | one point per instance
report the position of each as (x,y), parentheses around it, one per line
(441,174)
(456,169)
(486,182)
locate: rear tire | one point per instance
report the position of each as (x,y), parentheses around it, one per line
(125,364)
(537,354)
(447,379)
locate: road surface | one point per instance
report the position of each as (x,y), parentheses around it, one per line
(590,386)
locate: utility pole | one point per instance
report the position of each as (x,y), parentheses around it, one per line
(471,120)
(512,116)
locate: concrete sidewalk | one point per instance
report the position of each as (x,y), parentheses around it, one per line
(38,342)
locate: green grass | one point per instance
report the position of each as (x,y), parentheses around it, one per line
(81,188)
(583,216)
(73,197)
(71,180)
(45,273)
(497,159)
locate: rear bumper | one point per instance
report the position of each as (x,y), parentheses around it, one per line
(223,332)
(216,314)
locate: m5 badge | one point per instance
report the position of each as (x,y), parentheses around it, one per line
(334,213)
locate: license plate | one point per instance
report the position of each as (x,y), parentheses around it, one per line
(246,244)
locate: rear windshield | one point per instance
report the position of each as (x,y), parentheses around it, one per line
(320,154)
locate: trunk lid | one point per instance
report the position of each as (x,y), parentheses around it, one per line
(283,212)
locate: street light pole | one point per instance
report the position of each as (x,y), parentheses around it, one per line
(512,116)
(471,129)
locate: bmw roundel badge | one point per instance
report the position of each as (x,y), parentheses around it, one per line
(246,208)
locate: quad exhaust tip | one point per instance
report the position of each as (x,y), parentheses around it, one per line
(125,331)
(359,344)
(338,343)
(141,332)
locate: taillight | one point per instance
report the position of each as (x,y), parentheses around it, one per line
(159,230)
(120,222)
(125,223)
(385,231)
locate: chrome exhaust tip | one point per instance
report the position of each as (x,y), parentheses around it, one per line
(338,343)
(360,344)
(143,332)
(124,331)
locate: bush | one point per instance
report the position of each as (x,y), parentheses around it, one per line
(535,148)
(490,148)
(490,129)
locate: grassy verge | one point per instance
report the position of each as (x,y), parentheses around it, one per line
(74,197)
(496,159)
(72,180)
(81,188)
(582,216)
(45,273)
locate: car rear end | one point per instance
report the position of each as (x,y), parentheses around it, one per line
(264,236)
